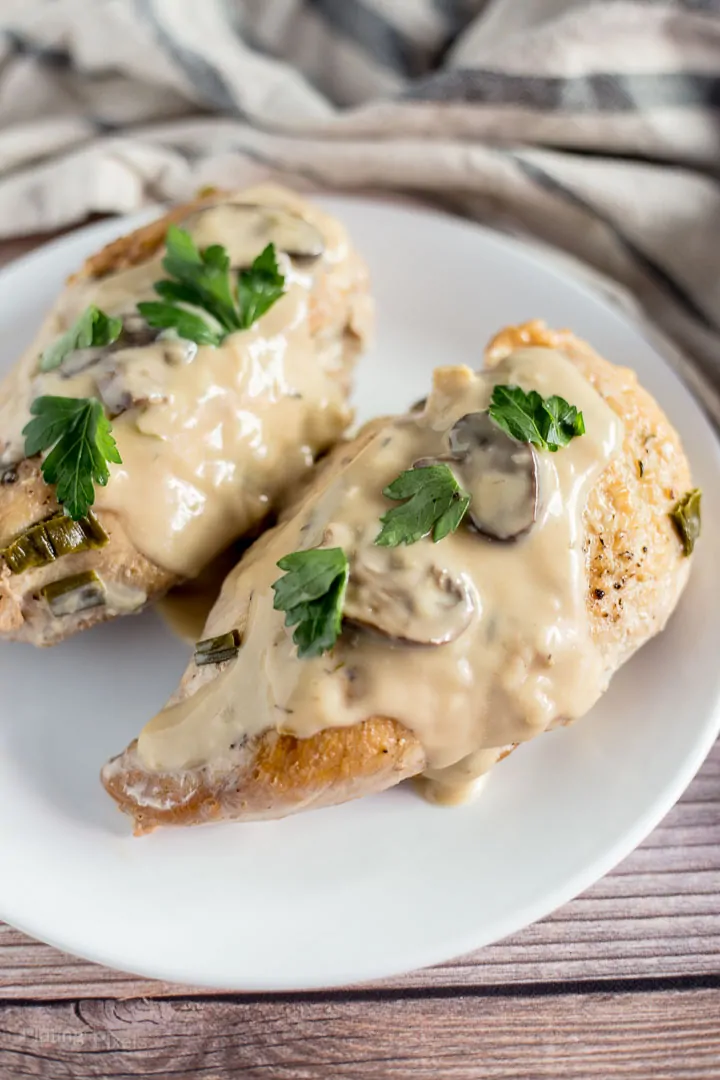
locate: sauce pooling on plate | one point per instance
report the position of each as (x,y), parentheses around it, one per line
(474,643)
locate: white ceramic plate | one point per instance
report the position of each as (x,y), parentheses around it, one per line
(388,883)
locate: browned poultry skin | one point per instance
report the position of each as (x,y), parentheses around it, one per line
(632,548)
(139,245)
(632,553)
(275,775)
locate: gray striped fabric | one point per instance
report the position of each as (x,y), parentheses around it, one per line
(593,126)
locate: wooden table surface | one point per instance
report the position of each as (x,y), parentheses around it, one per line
(622,982)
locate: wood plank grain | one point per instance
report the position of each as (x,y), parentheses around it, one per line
(666,1035)
(658,914)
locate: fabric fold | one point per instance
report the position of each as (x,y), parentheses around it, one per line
(592,126)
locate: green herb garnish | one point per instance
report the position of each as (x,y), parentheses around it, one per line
(73,594)
(259,287)
(216,650)
(312,594)
(91,328)
(547,423)
(77,432)
(435,503)
(202,279)
(686,519)
(51,539)
(186,324)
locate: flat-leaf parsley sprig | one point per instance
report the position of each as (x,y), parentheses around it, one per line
(90,329)
(203,280)
(78,435)
(434,502)
(312,594)
(547,423)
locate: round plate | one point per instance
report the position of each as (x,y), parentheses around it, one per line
(389,883)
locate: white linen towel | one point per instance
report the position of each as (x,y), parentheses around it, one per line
(594,126)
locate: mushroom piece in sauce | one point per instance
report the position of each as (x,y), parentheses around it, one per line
(500,474)
(263,225)
(130,377)
(410,604)
(135,334)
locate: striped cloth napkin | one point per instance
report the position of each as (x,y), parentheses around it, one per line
(592,126)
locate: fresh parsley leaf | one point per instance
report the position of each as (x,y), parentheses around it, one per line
(203,279)
(51,422)
(687,520)
(175,290)
(206,274)
(91,328)
(547,423)
(188,325)
(312,594)
(260,286)
(435,503)
(78,434)
(565,422)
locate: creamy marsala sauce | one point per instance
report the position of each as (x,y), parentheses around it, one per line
(208,435)
(474,644)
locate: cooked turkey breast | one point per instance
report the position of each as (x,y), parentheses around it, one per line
(299,410)
(635,571)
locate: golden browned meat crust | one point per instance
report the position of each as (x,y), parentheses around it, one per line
(26,499)
(635,562)
(141,244)
(635,569)
(268,777)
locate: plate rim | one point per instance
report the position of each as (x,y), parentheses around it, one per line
(551,899)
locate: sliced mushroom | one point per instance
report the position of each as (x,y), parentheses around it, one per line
(132,377)
(135,334)
(246,228)
(500,474)
(82,360)
(420,605)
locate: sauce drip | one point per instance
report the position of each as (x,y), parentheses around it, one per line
(185,609)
